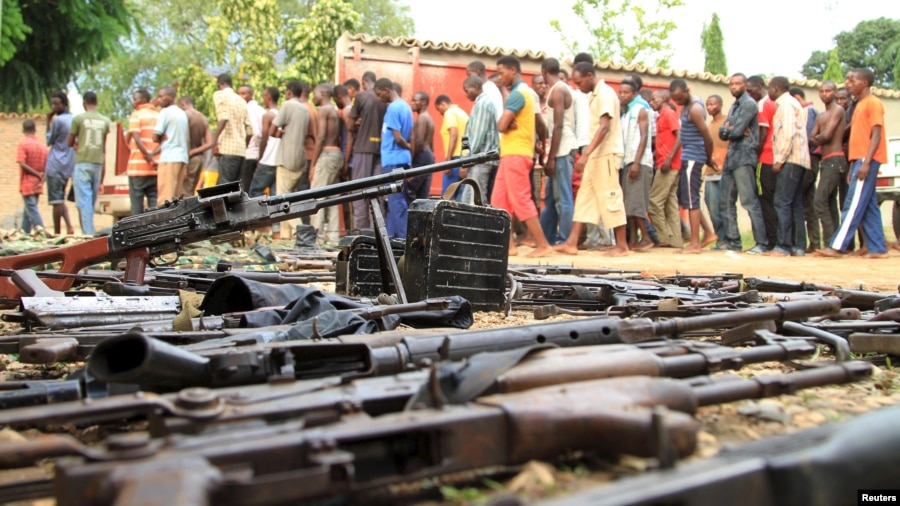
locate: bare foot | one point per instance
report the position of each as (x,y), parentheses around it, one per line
(617,252)
(827,252)
(709,240)
(565,249)
(70,231)
(541,252)
(513,252)
(896,246)
(876,255)
(861,252)
(527,242)
(643,246)
(663,245)
(691,250)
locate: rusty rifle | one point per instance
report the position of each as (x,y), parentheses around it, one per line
(825,466)
(503,372)
(217,213)
(288,463)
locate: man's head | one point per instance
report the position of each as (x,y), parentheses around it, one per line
(778,86)
(294,90)
(680,92)
(509,69)
(90,101)
(659,99)
(166,96)
(442,103)
(842,97)
(550,70)
(270,97)
(322,94)
(28,127)
(421,100)
(352,87)
(368,80)
(582,57)
(859,81)
(636,79)
(59,102)
(798,93)
(714,105)
(627,92)
(539,85)
(223,81)
(472,87)
(186,102)
(584,77)
(246,92)
(397,88)
(756,87)
(826,92)
(341,96)
(140,97)
(563,75)
(305,90)
(737,84)
(383,89)
(477,68)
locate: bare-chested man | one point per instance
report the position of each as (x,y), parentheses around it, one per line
(327,162)
(828,133)
(422,146)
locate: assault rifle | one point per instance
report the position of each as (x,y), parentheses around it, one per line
(218,213)
(289,463)
(498,372)
(826,466)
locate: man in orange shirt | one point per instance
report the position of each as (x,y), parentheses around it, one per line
(144,158)
(868,150)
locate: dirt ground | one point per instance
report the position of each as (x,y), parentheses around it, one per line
(847,272)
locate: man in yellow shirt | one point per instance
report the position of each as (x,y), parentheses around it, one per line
(452,128)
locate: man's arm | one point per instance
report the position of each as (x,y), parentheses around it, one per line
(321,126)
(557,103)
(783,135)
(162,122)
(742,119)
(696,115)
(824,137)
(507,121)
(874,141)
(398,138)
(667,163)
(599,135)
(28,169)
(451,148)
(644,128)
(73,134)
(264,132)
(418,136)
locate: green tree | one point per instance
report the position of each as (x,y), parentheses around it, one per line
(833,70)
(45,44)
(244,35)
(622,31)
(872,44)
(311,45)
(388,18)
(713,44)
(171,41)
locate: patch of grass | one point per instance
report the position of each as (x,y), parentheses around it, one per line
(461,495)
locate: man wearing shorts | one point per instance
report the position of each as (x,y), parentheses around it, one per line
(600,196)
(696,151)
(512,190)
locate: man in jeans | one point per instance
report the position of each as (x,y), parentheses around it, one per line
(741,129)
(791,161)
(88,137)
(31,155)
(559,208)
(233,130)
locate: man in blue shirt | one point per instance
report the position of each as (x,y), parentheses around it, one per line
(60,161)
(173,155)
(395,149)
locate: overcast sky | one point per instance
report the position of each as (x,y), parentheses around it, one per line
(756,39)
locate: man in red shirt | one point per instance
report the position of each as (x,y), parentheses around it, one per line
(667,158)
(31,156)
(756,88)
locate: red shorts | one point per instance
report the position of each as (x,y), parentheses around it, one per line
(512,188)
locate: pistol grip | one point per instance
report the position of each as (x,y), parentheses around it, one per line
(136,261)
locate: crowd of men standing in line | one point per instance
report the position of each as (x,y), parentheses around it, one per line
(624,161)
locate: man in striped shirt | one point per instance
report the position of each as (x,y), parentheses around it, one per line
(142,162)
(482,133)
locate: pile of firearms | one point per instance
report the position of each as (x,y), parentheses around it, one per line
(328,399)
